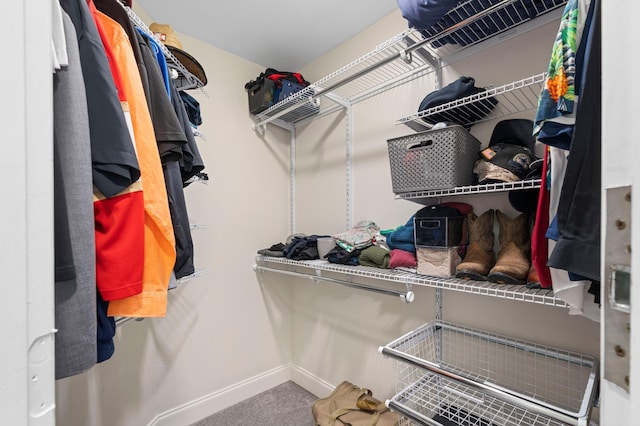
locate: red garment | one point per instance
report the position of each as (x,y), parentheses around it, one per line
(400,258)
(539,242)
(119,227)
(465,209)
(119,220)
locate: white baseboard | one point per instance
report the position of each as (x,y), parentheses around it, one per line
(311,382)
(206,405)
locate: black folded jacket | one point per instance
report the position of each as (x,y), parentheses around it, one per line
(464,115)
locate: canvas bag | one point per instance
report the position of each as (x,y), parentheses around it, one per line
(350,405)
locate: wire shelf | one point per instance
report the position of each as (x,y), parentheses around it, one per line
(423,196)
(511,98)
(393,66)
(186,80)
(474,377)
(474,21)
(322,268)
(412,54)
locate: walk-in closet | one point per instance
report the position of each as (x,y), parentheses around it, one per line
(250,308)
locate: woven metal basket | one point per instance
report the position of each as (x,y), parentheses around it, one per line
(435,159)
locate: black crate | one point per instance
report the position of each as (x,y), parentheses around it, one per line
(261,96)
(438,231)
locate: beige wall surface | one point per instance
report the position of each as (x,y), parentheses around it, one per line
(228,328)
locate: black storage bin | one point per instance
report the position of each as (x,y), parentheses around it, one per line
(261,96)
(438,231)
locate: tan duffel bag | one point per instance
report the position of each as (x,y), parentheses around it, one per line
(350,405)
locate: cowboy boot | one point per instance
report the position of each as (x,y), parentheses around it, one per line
(512,266)
(480,256)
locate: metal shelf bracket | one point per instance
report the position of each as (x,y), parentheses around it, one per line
(406,56)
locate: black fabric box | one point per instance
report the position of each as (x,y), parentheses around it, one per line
(261,96)
(438,231)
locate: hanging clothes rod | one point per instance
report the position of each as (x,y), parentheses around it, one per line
(406,296)
(120,321)
(123,320)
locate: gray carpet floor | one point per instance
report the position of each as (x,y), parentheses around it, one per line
(284,405)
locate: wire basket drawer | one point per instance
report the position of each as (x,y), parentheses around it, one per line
(435,159)
(448,373)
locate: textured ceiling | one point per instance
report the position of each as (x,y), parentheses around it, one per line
(282,34)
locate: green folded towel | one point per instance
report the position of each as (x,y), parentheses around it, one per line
(375,256)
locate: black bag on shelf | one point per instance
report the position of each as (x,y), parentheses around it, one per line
(272,86)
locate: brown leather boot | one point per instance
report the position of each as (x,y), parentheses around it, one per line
(480,256)
(514,257)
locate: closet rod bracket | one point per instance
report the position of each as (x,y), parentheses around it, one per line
(406,56)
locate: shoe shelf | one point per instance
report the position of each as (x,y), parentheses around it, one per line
(446,372)
(353,276)
(511,98)
(424,197)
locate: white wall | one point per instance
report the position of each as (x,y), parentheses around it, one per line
(227,335)
(26,249)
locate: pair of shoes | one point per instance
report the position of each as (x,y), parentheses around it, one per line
(513,261)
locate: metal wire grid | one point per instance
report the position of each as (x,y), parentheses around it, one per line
(299,106)
(552,377)
(469,23)
(368,75)
(185,80)
(433,396)
(513,97)
(321,268)
(357,75)
(473,21)
(471,189)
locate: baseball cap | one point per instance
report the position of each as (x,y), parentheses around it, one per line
(510,154)
(501,157)
(514,131)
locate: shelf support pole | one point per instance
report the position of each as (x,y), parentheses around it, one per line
(348,160)
(292,179)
